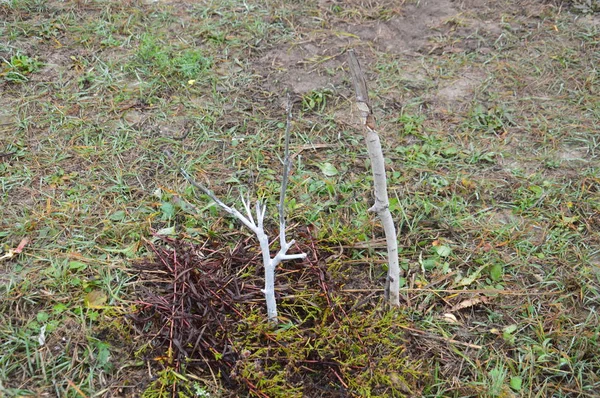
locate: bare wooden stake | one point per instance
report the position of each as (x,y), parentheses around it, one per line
(382,204)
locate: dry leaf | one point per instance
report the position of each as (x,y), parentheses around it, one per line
(450,318)
(12,252)
(95,299)
(469,303)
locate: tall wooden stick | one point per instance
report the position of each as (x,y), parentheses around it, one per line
(382,204)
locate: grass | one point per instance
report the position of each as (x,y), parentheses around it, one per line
(489,126)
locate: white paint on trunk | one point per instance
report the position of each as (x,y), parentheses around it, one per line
(382,204)
(257,226)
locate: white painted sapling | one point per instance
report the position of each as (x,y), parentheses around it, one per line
(257,225)
(382,204)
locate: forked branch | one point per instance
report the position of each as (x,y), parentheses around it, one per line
(257,225)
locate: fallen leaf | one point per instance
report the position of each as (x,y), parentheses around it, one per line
(95,299)
(443,251)
(42,336)
(19,248)
(13,252)
(451,318)
(469,303)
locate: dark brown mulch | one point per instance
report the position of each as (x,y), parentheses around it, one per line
(193,300)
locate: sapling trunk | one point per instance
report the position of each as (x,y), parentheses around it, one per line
(257,226)
(382,205)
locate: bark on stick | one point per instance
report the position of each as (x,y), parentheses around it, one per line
(381,206)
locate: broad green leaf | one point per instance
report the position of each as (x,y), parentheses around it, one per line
(93,315)
(569,220)
(496,272)
(536,189)
(507,333)
(118,216)
(77,265)
(466,281)
(168,210)
(510,328)
(169,231)
(128,251)
(446,267)
(42,316)
(450,151)
(58,308)
(328,169)
(443,251)
(103,356)
(429,264)
(516,382)
(233,180)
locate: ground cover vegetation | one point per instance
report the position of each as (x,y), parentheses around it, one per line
(118,279)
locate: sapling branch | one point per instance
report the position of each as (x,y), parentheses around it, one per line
(286,170)
(231,210)
(257,225)
(381,206)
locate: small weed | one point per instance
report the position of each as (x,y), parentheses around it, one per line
(169,380)
(315,101)
(156,58)
(492,120)
(411,124)
(191,64)
(19,67)
(496,384)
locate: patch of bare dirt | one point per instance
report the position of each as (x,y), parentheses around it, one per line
(460,89)
(301,67)
(8,118)
(409,32)
(413,30)
(289,67)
